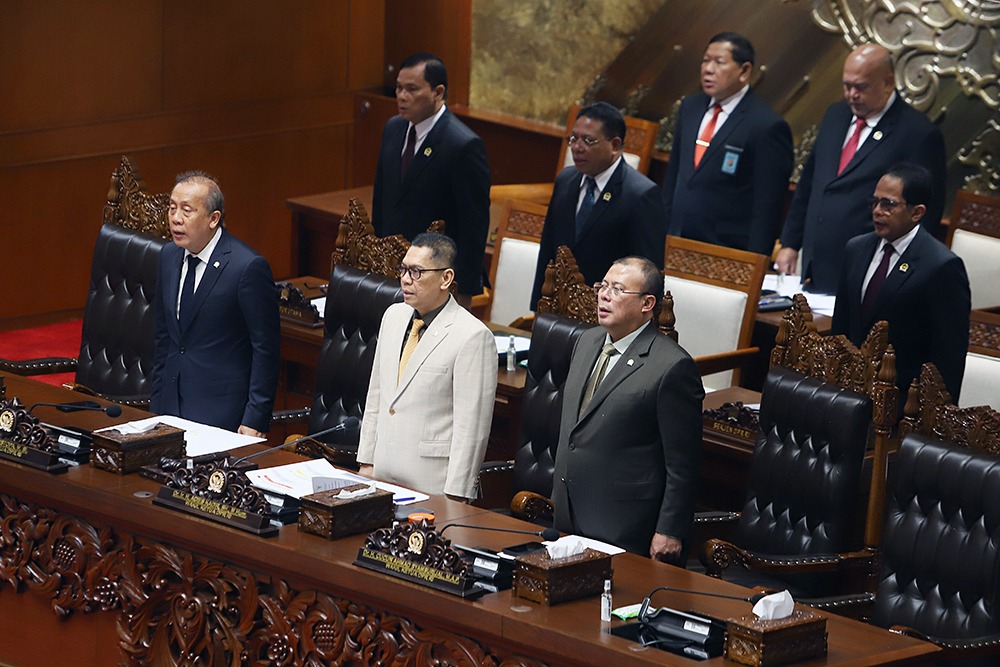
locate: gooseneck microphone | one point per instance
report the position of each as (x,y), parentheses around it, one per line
(549,534)
(753,599)
(348,424)
(76,406)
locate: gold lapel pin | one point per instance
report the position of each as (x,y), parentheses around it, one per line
(607,196)
(877,135)
(904,267)
(428,151)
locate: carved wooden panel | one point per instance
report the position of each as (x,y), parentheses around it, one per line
(735,272)
(929,411)
(175,607)
(979,214)
(564,291)
(526,223)
(131,206)
(984,333)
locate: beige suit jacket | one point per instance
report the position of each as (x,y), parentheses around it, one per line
(429,432)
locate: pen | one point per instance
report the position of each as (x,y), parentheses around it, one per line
(404,499)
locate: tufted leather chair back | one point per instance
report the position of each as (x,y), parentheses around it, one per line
(940,546)
(552,340)
(116,351)
(805,472)
(355,303)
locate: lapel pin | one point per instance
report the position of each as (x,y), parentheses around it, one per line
(630,362)
(216,265)
(428,151)
(904,267)
(607,196)
(877,135)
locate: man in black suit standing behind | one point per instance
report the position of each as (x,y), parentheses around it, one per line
(859,139)
(630,434)
(901,274)
(727,178)
(601,208)
(432,167)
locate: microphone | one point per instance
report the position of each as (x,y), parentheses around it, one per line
(76,406)
(549,534)
(753,599)
(348,424)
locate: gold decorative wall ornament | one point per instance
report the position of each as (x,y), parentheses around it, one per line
(982,153)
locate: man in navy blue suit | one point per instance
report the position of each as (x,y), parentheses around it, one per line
(217,329)
(859,138)
(432,167)
(727,178)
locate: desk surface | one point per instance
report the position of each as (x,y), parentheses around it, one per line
(156,560)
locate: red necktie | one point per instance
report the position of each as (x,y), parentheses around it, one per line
(408,150)
(875,284)
(705,139)
(851,147)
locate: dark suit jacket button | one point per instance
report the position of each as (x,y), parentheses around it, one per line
(572,446)
(182,350)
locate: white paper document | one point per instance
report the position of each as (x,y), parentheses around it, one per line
(296,480)
(521,344)
(320,303)
(198,438)
(787,285)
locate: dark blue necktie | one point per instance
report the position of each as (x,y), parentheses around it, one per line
(586,206)
(187,292)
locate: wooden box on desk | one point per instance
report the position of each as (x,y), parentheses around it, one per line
(324,514)
(760,643)
(550,581)
(126,453)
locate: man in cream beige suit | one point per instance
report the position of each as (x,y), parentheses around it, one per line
(430,400)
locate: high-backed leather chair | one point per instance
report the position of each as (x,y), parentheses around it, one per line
(981,381)
(116,349)
(974,235)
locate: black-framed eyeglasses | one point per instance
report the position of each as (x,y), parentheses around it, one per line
(615,290)
(887,205)
(414,271)
(589,142)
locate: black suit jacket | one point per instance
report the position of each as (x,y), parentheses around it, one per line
(627,467)
(925,299)
(448,180)
(627,219)
(725,201)
(223,368)
(828,210)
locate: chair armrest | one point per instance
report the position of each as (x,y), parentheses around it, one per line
(858,606)
(725,361)
(137,401)
(717,555)
(287,416)
(40,366)
(955,649)
(715,517)
(531,506)
(496,467)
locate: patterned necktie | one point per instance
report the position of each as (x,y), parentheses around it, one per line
(586,206)
(705,139)
(851,147)
(598,375)
(408,150)
(187,292)
(410,346)
(875,284)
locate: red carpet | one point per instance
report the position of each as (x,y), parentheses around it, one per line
(53,340)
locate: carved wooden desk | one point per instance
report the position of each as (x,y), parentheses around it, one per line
(93,574)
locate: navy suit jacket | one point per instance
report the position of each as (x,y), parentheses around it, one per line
(828,210)
(449,179)
(736,195)
(925,299)
(627,219)
(628,466)
(223,368)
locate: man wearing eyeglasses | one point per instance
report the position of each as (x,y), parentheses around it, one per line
(901,274)
(601,208)
(630,433)
(859,138)
(434,377)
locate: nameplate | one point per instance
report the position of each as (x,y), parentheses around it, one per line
(31,456)
(418,573)
(214,510)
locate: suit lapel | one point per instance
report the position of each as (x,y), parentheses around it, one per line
(611,193)
(425,154)
(213,271)
(880,133)
(719,140)
(394,152)
(172,276)
(434,336)
(856,277)
(907,264)
(629,363)
(576,382)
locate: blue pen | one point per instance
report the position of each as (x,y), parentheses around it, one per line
(405,499)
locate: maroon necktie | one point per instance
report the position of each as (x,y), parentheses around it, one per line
(408,150)
(851,147)
(875,284)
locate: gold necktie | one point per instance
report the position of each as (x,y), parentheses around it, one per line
(410,346)
(598,375)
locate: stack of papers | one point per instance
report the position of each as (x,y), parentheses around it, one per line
(198,438)
(299,479)
(787,285)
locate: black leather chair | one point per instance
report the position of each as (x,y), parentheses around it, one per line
(116,350)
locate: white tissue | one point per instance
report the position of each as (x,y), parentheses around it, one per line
(131,428)
(360,493)
(775,606)
(566,546)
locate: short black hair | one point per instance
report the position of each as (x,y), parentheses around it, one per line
(443,248)
(742,48)
(214,201)
(652,278)
(435,73)
(608,115)
(918,186)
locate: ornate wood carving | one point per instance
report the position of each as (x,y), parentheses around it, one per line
(979,214)
(526,223)
(929,411)
(982,153)
(358,246)
(984,333)
(180,608)
(18,426)
(802,151)
(723,269)
(131,206)
(564,292)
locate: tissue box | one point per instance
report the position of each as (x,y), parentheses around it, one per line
(759,643)
(127,453)
(324,514)
(553,580)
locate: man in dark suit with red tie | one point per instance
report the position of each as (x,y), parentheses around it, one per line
(859,138)
(901,274)
(432,167)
